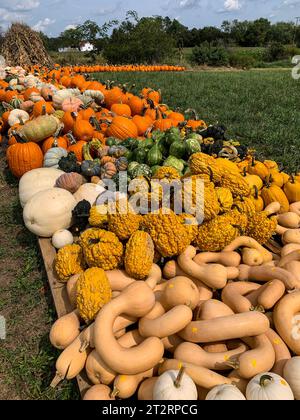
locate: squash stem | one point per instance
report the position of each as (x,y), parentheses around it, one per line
(264,379)
(114,393)
(56,380)
(177,382)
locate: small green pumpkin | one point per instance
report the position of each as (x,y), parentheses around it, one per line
(90,168)
(142,170)
(154,156)
(178,149)
(122,164)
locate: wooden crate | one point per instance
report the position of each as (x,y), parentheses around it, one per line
(60,298)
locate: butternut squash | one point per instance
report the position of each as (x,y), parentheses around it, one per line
(136,300)
(70,362)
(192,353)
(273,208)
(265,273)
(213,275)
(291,236)
(234,295)
(289,248)
(145,392)
(125,386)
(293,256)
(211,309)
(119,279)
(287,320)
(246,242)
(98,393)
(293,267)
(238,381)
(180,291)
(267,295)
(226,328)
(65,330)
(215,347)
(289,220)
(252,257)
(168,324)
(172,270)
(97,371)
(295,208)
(131,339)
(120,333)
(203,377)
(72,290)
(259,359)
(282,353)
(229,259)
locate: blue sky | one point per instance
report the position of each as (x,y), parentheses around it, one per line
(53,16)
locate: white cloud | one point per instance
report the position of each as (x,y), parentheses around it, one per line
(70,27)
(188,4)
(41,25)
(232,5)
(107,10)
(6,16)
(20,5)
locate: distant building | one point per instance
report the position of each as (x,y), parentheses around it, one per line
(67,49)
(86,46)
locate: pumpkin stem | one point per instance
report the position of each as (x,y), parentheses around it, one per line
(258,308)
(71,138)
(265,379)
(177,382)
(255,192)
(84,346)
(193,112)
(114,393)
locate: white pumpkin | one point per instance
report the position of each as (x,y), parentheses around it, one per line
(61,95)
(49,211)
(61,238)
(53,156)
(269,386)
(291,374)
(89,192)
(17,116)
(225,392)
(175,385)
(37,180)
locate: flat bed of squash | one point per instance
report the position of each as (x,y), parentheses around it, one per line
(59,294)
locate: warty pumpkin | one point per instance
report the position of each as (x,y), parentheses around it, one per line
(139,255)
(69,261)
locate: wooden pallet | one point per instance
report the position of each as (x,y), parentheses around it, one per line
(60,298)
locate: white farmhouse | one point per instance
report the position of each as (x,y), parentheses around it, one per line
(86,47)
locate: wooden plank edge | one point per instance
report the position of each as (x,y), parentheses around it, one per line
(60,297)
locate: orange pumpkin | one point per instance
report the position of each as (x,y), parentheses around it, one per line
(23,157)
(42,108)
(122,128)
(76,147)
(83,130)
(137,105)
(121,109)
(54,142)
(143,124)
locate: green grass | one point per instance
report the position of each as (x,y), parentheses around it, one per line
(259,107)
(27,357)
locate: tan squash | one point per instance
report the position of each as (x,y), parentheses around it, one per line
(203,377)
(131,339)
(211,309)
(136,300)
(282,353)
(295,208)
(287,320)
(228,259)
(125,386)
(97,371)
(192,353)
(167,324)
(289,248)
(72,289)
(267,295)
(180,291)
(99,393)
(226,328)
(266,273)
(252,257)
(145,392)
(293,256)
(240,383)
(291,236)
(235,296)
(65,330)
(293,267)
(289,220)
(119,279)
(215,347)
(70,362)
(259,359)
(213,275)
(245,241)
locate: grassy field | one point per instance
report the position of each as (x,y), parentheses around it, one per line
(260,108)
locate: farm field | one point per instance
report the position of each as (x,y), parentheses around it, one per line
(260,108)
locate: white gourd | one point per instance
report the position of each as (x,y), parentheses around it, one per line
(291,374)
(17,116)
(53,156)
(175,385)
(89,192)
(61,238)
(225,392)
(49,211)
(268,387)
(36,181)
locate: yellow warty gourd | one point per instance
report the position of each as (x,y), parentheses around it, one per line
(93,292)
(69,261)
(139,255)
(98,216)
